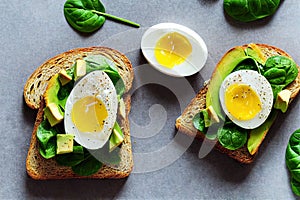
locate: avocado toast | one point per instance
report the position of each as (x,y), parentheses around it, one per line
(34,95)
(208,97)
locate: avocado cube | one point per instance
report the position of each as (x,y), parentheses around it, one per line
(80,69)
(64,143)
(282,100)
(116,138)
(63,77)
(53,114)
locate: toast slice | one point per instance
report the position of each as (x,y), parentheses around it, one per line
(40,168)
(184,123)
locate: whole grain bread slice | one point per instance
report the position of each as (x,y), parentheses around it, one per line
(184,123)
(43,169)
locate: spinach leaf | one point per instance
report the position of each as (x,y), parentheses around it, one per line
(47,139)
(64,93)
(295,186)
(71,159)
(88,15)
(199,123)
(80,16)
(247,64)
(280,71)
(88,166)
(292,160)
(292,154)
(246,11)
(256,54)
(50,150)
(231,136)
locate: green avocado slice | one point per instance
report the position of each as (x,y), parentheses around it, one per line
(258,134)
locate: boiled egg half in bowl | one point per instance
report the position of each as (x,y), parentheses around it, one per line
(91,110)
(246,98)
(174,49)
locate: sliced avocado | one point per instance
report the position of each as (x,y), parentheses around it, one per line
(79,69)
(52,110)
(64,143)
(53,113)
(64,78)
(282,100)
(229,61)
(254,51)
(116,138)
(257,135)
(51,92)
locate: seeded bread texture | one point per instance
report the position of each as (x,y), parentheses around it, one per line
(184,123)
(40,168)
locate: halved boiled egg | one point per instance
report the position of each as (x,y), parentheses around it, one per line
(246,98)
(174,49)
(91,110)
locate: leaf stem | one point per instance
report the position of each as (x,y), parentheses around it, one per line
(117,18)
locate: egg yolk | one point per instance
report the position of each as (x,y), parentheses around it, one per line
(242,102)
(172,49)
(89,114)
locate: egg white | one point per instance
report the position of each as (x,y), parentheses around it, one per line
(191,65)
(95,83)
(262,88)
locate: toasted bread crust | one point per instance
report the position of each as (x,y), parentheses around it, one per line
(184,123)
(40,168)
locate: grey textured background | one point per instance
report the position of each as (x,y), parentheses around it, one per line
(34,31)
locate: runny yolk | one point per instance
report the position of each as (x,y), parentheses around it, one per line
(172,49)
(242,102)
(89,114)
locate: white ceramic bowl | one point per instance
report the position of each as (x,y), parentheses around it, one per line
(193,63)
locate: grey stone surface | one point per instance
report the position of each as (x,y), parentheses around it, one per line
(34,31)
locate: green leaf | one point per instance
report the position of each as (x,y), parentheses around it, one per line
(231,136)
(89,15)
(199,122)
(47,139)
(280,71)
(71,159)
(295,186)
(247,64)
(88,166)
(292,157)
(292,153)
(80,15)
(246,11)
(64,93)
(50,149)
